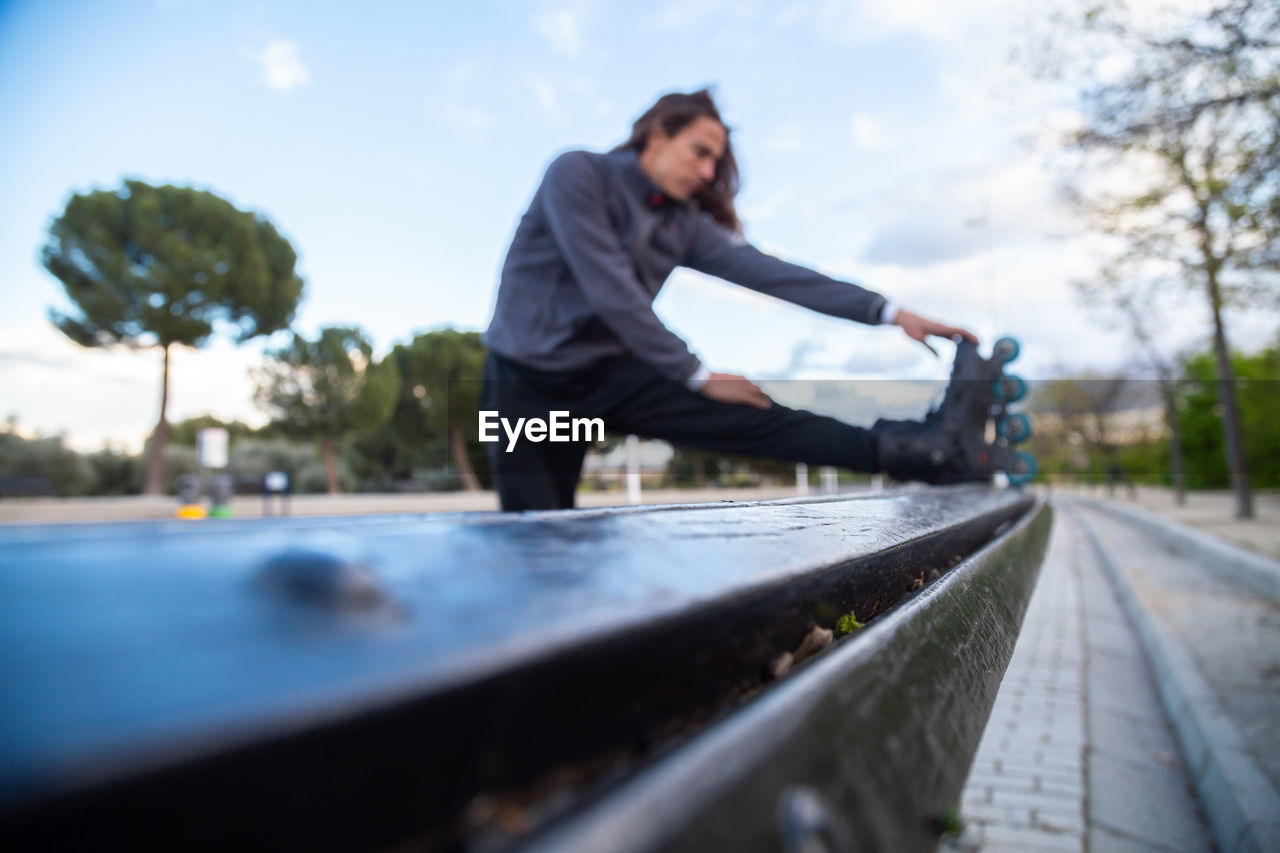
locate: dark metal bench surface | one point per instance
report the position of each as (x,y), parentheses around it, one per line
(423,659)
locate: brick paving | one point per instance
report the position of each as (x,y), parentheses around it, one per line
(1077,754)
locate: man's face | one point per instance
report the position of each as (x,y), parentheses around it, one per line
(683,164)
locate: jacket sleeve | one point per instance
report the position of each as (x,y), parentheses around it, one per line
(573,197)
(716,251)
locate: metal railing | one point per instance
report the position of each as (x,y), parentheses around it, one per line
(669,677)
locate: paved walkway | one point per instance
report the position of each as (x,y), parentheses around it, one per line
(1212,512)
(1210,621)
(1078,754)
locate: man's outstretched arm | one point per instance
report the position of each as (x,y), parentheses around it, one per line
(718,252)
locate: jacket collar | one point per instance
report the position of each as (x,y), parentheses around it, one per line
(628,165)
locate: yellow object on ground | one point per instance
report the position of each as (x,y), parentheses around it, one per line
(192,512)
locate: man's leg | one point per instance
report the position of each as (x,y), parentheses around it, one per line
(536,476)
(633,398)
(531,475)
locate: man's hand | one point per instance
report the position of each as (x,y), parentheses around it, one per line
(731,388)
(918,328)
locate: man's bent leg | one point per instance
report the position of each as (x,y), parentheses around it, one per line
(528,475)
(536,476)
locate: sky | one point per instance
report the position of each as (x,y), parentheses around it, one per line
(887,142)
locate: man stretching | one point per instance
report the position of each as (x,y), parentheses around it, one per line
(574,329)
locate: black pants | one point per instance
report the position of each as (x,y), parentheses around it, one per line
(631,397)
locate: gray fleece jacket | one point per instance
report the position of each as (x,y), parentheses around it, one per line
(595,247)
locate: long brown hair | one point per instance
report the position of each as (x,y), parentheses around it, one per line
(673,112)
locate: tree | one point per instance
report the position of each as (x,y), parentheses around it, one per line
(326,389)
(1137,299)
(43,465)
(1081,410)
(114,472)
(163,266)
(442,372)
(1194,118)
(1259,412)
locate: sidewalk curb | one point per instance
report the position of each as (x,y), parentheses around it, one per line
(1258,572)
(1241,803)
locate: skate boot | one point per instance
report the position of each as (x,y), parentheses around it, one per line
(971,435)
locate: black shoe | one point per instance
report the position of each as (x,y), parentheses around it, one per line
(927,451)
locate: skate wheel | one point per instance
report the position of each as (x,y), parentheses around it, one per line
(1023,469)
(1016,428)
(1012,388)
(1006,349)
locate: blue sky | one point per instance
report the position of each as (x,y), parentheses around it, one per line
(396,144)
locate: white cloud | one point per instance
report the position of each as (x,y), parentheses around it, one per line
(691,15)
(457,107)
(868,132)
(460,75)
(545,94)
(463,115)
(560,26)
(961,211)
(96,396)
(717,25)
(860,21)
(1022,290)
(761,209)
(282,68)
